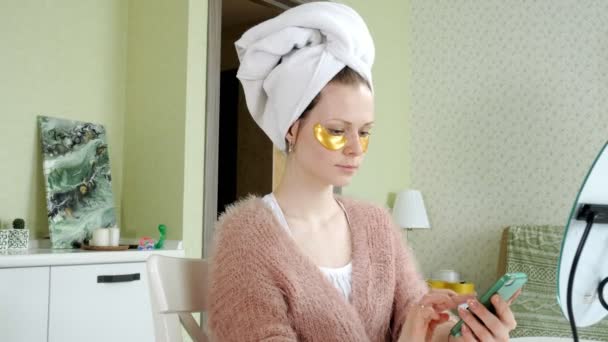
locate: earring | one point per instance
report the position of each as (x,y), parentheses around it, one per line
(290,148)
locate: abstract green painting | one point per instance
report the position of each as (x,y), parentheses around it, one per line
(78,181)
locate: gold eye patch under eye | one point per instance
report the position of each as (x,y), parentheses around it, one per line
(328,140)
(335,142)
(364,141)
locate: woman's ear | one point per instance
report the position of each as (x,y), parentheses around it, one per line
(292,133)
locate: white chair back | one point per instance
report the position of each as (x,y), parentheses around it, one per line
(178,288)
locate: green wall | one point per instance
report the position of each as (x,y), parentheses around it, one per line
(386,168)
(154,126)
(59,58)
(164,129)
(138,67)
(194,132)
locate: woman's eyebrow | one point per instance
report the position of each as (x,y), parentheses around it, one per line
(350,123)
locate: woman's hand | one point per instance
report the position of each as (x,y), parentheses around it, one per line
(420,323)
(487,327)
(428,313)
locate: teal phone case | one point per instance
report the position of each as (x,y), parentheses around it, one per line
(506,287)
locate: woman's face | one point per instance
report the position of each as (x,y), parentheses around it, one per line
(331,141)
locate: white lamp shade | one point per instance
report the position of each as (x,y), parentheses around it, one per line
(409,211)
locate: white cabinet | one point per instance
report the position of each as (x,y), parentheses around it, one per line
(75,295)
(108,302)
(24,300)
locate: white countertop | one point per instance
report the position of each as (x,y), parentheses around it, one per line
(40,255)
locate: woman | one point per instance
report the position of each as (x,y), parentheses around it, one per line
(301,263)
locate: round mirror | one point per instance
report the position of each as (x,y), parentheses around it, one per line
(588,222)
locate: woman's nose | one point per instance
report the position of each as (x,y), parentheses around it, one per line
(353,145)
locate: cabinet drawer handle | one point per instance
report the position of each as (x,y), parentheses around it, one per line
(119,278)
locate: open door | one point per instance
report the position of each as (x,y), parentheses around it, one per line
(244,163)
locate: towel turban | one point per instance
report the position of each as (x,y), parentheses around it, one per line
(287,60)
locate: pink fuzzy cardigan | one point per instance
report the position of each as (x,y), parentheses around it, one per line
(263,288)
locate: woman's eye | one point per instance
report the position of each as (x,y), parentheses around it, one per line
(364,134)
(335,131)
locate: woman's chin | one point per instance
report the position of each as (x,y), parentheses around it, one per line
(335,179)
(342,181)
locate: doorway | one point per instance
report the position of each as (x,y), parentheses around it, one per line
(245,154)
(239,158)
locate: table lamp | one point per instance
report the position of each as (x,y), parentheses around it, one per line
(409,211)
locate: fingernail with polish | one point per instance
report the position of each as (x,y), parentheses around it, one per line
(472,303)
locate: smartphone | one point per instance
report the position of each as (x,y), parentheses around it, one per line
(506,287)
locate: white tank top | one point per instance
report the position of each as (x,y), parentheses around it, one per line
(340,277)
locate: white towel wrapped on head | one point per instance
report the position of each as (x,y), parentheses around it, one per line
(287,60)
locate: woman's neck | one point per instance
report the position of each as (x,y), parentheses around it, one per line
(303,197)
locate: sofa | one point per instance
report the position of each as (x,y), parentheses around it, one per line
(535,250)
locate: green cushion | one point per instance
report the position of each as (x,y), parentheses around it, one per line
(535,250)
